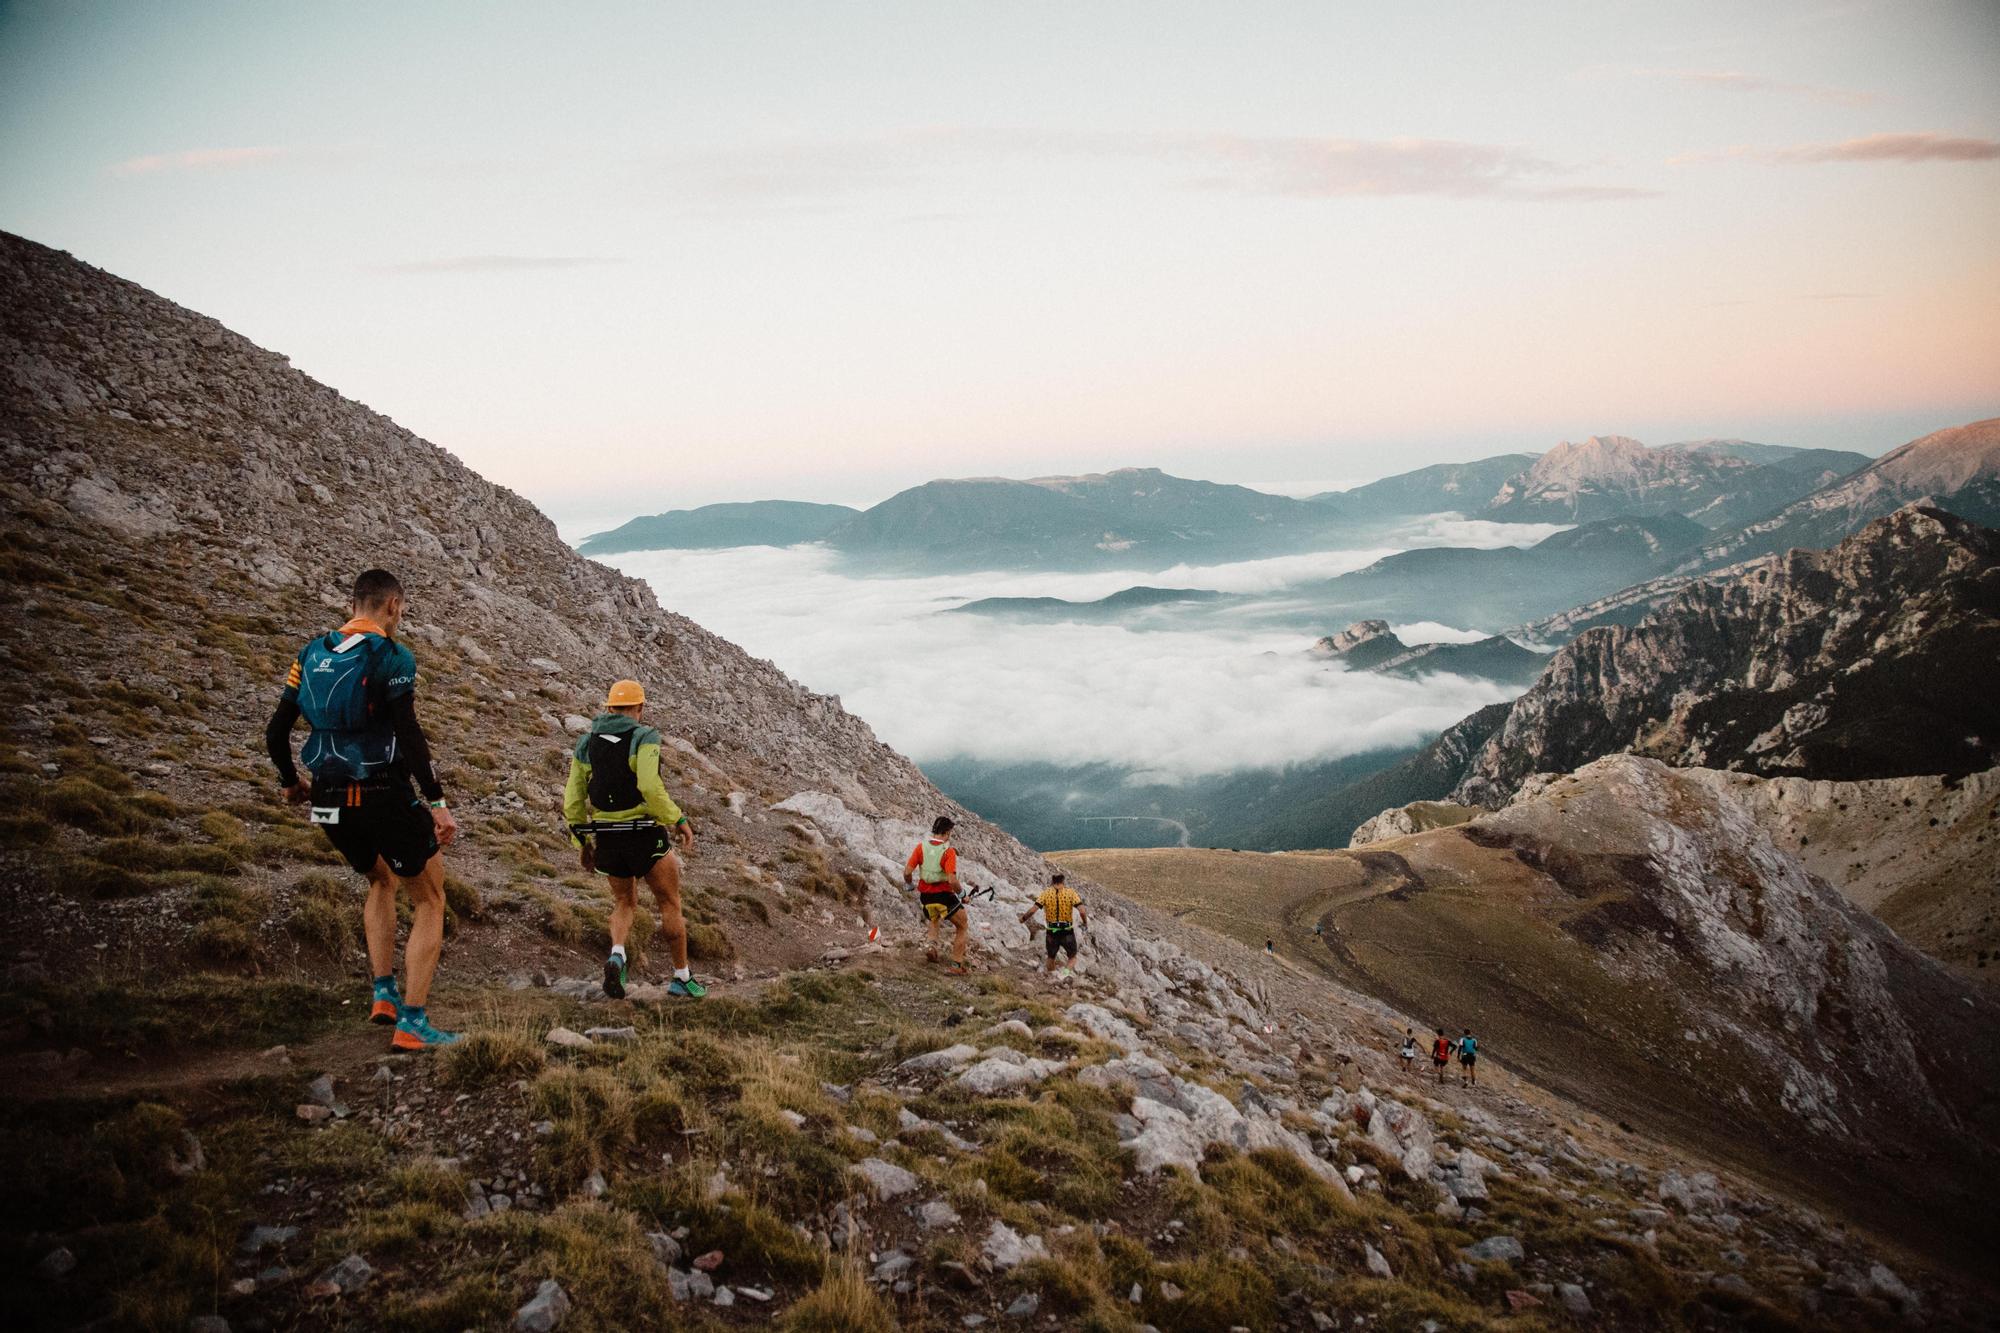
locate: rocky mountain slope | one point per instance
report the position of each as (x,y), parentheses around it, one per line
(201,1131)
(755,523)
(1921,853)
(1873,659)
(1637,930)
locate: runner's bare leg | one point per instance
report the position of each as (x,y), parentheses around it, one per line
(420,955)
(378,919)
(664,879)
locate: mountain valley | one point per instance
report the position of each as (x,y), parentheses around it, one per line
(1188,1135)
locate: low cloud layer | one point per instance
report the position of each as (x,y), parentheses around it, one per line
(1175,703)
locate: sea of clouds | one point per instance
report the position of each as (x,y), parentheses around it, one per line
(1214,698)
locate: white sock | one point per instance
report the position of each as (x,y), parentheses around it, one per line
(618,952)
(682,974)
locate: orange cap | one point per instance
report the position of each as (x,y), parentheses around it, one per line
(624,694)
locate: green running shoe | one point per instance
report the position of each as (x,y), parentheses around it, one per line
(614,977)
(689,989)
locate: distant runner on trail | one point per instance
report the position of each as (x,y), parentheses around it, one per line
(932,871)
(614,793)
(1468,1058)
(1063,909)
(1441,1053)
(357,689)
(1409,1051)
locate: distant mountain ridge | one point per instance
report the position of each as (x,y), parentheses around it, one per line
(1130,518)
(1142,517)
(1497,588)
(1958,469)
(749,523)
(1054,610)
(1873,659)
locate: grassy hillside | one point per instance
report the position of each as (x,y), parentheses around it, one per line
(1557,946)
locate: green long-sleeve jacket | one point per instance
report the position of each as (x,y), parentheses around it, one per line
(642,753)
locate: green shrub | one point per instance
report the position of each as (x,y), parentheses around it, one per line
(26,830)
(708,944)
(843,1303)
(224,942)
(84,804)
(473,1301)
(462,899)
(488,1056)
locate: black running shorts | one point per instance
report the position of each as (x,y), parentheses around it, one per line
(630,853)
(390,823)
(1058,941)
(940,906)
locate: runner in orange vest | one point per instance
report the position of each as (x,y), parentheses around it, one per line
(932,871)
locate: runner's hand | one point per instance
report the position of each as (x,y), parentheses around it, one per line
(444,824)
(587,858)
(301,791)
(684,835)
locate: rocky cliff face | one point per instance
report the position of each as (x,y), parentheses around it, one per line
(1364,644)
(1921,853)
(1873,659)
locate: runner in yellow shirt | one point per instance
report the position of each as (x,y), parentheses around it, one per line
(1063,910)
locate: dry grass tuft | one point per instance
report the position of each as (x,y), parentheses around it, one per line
(843,1303)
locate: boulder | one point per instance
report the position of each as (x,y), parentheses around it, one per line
(931,1061)
(886,1180)
(1495,1249)
(545,1311)
(1006,1248)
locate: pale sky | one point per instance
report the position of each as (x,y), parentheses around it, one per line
(632,257)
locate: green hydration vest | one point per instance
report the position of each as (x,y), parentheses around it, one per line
(932,869)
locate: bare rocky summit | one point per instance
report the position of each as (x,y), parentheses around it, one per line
(1610,475)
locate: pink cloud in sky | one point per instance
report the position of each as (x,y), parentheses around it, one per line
(1920,146)
(195,159)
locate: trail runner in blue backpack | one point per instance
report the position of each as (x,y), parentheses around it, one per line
(356,689)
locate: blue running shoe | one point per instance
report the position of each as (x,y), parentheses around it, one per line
(415,1033)
(614,977)
(686,990)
